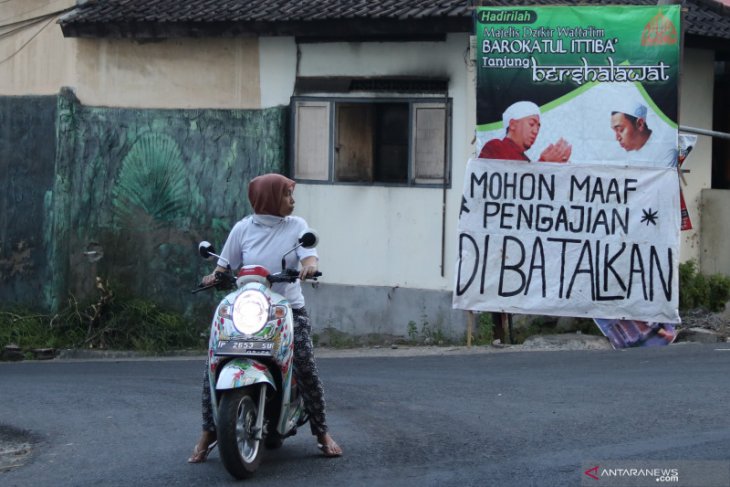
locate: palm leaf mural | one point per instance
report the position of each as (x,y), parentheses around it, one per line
(151,182)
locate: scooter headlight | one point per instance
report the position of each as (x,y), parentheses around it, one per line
(250,312)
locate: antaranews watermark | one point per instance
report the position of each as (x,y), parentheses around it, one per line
(644,473)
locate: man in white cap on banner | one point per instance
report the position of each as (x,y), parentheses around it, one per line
(643,146)
(522,123)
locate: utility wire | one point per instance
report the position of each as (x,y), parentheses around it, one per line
(19,16)
(20,26)
(28,20)
(29,40)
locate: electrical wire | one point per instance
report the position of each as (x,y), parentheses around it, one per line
(20,25)
(19,16)
(23,25)
(29,40)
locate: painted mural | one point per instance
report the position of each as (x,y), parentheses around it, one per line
(27,155)
(133,191)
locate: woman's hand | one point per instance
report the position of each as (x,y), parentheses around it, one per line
(210,278)
(307,271)
(309,267)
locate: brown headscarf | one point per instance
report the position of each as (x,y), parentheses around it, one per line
(265,193)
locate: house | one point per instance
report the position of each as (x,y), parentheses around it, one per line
(369,105)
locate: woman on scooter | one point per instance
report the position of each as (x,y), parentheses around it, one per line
(261,239)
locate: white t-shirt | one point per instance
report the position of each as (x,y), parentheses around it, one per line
(263,240)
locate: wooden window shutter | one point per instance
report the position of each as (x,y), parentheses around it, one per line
(429,142)
(311,150)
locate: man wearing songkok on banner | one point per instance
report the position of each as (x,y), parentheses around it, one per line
(522,123)
(644,146)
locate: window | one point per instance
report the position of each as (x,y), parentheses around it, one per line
(371,141)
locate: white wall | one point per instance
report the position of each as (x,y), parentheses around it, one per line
(175,73)
(35,59)
(278,70)
(375,235)
(696,111)
(715,251)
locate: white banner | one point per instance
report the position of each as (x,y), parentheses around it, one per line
(569,240)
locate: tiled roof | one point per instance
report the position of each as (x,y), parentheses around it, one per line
(263,10)
(704,18)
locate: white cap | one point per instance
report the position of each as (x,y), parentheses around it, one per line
(519,110)
(630,107)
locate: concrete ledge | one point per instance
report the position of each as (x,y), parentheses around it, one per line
(361,313)
(567,341)
(700,335)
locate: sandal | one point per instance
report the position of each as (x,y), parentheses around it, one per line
(199,456)
(330,450)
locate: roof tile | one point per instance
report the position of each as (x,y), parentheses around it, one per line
(708,18)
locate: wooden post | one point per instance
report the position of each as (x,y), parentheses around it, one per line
(469,327)
(505,328)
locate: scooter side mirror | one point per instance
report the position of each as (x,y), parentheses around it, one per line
(206,249)
(309,239)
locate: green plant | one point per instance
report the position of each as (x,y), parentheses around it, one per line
(432,335)
(25,329)
(332,337)
(699,291)
(412,331)
(111,322)
(719,292)
(484,333)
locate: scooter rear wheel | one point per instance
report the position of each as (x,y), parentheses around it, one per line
(240,450)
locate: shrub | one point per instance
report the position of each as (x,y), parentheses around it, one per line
(112,322)
(699,291)
(483,335)
(719,292)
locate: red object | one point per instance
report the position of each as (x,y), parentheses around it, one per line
(254,273)
(253,270)
(686,222)
(502,149)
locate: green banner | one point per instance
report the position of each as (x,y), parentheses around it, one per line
(581,66)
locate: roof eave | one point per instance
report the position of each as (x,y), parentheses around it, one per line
(720,45)
(365,29)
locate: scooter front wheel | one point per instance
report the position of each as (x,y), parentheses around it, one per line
(238,444)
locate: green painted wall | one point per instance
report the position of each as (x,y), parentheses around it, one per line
(143,187)
(27,155)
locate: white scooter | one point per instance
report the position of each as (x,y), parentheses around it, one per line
(253,390)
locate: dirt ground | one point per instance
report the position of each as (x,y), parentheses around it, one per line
(716,322)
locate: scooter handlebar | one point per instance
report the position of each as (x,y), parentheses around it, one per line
(223,281)
(289,275)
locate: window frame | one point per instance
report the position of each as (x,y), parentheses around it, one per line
(411,101)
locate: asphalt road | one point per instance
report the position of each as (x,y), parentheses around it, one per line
(496,419)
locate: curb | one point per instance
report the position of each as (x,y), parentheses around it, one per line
(536,343)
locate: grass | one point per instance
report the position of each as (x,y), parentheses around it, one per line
(109,323)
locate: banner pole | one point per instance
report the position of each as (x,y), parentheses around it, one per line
(469,327)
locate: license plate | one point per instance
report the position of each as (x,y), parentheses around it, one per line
(244,347)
